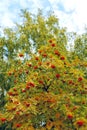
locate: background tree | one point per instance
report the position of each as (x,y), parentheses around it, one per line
(80,47)
(79,51)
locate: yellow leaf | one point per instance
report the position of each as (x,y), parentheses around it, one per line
(30,128)
(49,125)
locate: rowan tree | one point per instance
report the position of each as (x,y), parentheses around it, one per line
(49,92)
(47,88)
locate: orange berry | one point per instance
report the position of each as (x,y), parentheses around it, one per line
(57,115)
(50,41)
(40,51)
(9,73)
(21,55)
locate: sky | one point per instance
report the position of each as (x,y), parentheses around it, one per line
(71,13)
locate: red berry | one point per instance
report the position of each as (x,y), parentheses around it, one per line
(14,108)
(70,116)
(17,113)
(10,93)
(37,98)
(56,52)
(53,66)
(62,58)
(80,79)
(48,63)
(63,81)
(53,44)
(9,73)
(15,89)
(24,90)
(40,63)
(36,58)
(44,55)
(3,119)
(29,64)
(40,81)
(35,67)
(57,75)
(75,107)
(27,87)
(70,82)
(27,104)
(27,71)
(80,122)
(31,84)
(50,41)
(18,125)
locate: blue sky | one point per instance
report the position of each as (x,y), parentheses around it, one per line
(71,13)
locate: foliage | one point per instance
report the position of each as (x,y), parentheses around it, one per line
(79,50)
(81,46)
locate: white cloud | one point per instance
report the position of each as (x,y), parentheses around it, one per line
(71,14)
(7,21)
(5,14)
(74,14)
(79,14)
(37,3)
(23,3)
(69,4)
